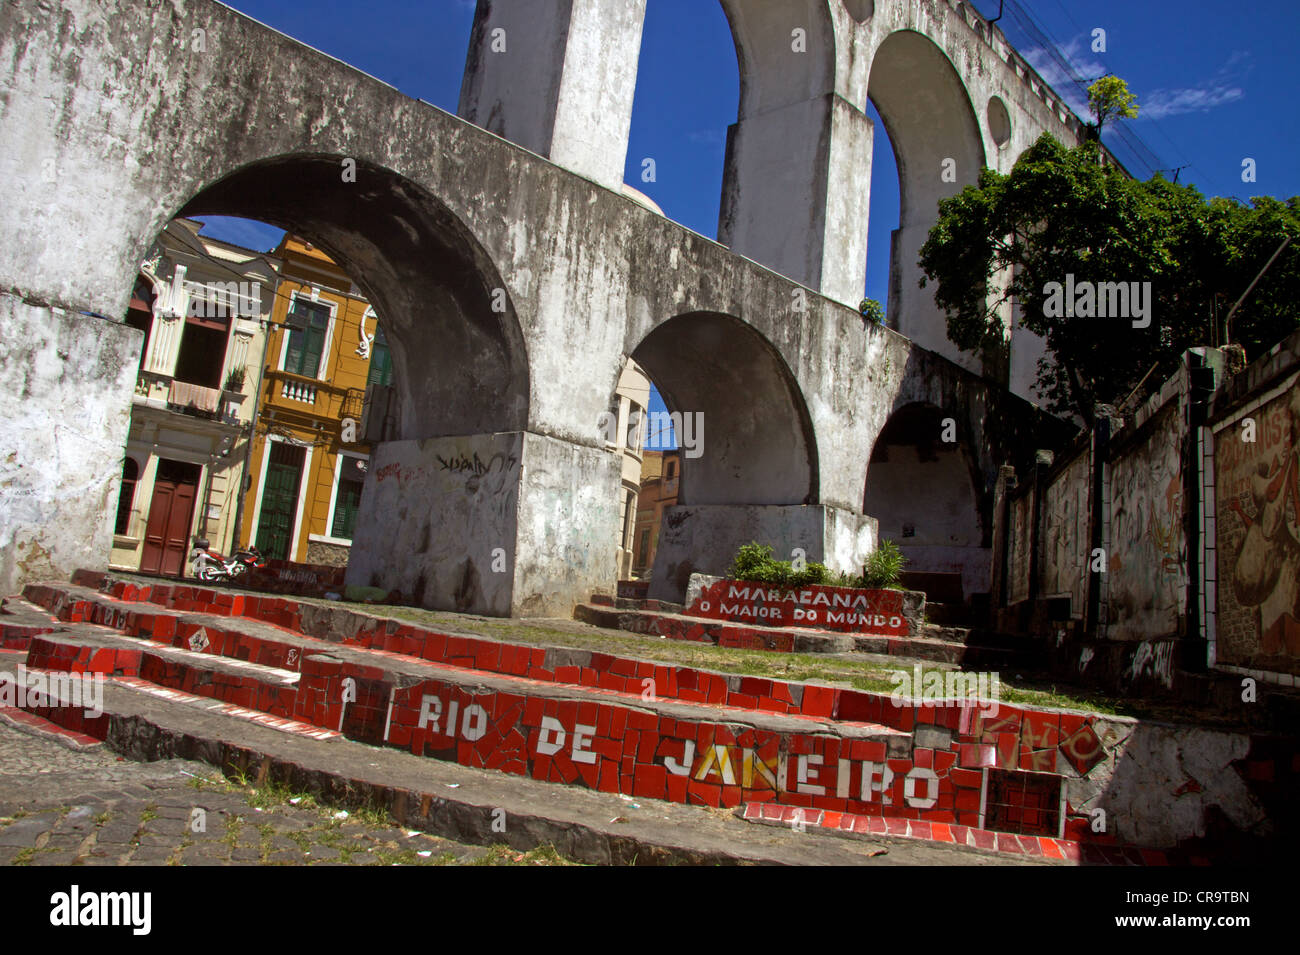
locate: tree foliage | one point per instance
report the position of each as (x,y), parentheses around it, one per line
(1109,98)
(1061,213)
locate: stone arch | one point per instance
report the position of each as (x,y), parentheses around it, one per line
(925,492)
(458,349)
(939,149)
(758,445)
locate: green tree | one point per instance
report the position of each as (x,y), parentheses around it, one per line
(1060,214)
(1109,97)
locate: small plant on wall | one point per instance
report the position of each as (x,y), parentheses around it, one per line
(755,562)
(235,380)
(884,567)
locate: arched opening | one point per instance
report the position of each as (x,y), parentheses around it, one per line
(921,488)
(935,137)
(884,215)
(376,322)
(730,457)
(740,419)
(687,91)
(457,349)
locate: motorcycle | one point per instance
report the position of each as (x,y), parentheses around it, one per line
(210,566)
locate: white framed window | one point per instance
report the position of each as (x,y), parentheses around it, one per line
(306,351)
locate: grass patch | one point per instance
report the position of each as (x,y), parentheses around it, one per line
(504,855)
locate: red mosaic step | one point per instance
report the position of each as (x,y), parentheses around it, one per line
(1010,843)
(944,780)
(601,739)
(560,665)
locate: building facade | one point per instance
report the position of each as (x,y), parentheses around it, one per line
(307,462)
(202,305)
(627,415)
(660,475)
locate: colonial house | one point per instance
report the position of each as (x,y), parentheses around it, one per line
(202,305)
(308,461)
(625,436)
(660,477)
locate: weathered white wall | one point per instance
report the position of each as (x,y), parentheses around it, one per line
(66,382)
(1067,528)
(447,509)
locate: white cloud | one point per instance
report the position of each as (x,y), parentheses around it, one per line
(1161,103)
(1221,88)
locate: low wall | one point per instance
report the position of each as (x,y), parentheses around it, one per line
(895,613)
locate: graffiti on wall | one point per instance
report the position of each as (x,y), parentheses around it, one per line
(1147,556)
(1257,508)
(1067,528)
(1020,513)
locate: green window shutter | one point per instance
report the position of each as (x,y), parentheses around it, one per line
(346,505)
(381,361)
(306,345)
(347,499)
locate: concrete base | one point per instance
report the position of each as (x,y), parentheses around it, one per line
(509,524)
(68,381)
(704,539)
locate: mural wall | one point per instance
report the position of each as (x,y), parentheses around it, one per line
(1257,535)
(1067,531)
(1020,517)
(1147,552)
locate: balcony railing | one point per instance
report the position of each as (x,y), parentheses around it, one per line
(324,399)
(183,397)
(298,391)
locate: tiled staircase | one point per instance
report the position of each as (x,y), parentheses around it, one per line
(794,753)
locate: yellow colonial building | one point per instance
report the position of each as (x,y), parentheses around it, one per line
(307,463)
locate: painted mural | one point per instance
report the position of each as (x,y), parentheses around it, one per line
(1147,552)
(1257,532)
(1067,527)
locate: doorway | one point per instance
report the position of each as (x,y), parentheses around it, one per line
(280,500)
(166,537)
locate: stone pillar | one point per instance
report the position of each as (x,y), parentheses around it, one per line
(796,193)
(507,524)
(704,538)
(557,77)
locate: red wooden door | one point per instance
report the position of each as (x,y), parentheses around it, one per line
(167,532)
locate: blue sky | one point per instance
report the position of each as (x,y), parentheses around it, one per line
(1216,83)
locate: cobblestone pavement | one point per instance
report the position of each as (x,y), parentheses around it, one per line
(61,807)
